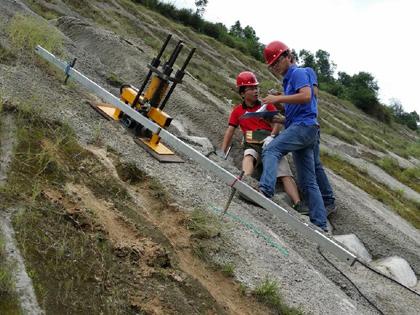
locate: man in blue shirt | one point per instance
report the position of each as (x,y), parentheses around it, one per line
(321,178)
(301,130)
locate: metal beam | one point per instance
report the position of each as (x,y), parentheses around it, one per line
(304,228)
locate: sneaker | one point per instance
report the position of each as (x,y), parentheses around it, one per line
(299,208)
(263,193)
(331,209)
(327,232)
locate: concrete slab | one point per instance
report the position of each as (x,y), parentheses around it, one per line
(397,268)
(353,244)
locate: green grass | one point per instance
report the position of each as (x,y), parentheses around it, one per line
(204,225)
(206,235)
(6,279)
(370,132)
(8,300)
(377,135)
(335,132)
(129,172)
(228,269)
(114,80)
(71,263)
(267,292)
(42,10)
(6,56)
(413,149)
(46,150)
(409,176)
(72,260)
(25,32)
(407,209)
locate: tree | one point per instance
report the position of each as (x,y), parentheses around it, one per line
(325,67)
(307,59)
(402,117)
(344,79)
(295,55)
(363,91)
(201,6)
(412,120)
(249,33)
(236,30)
(396,107)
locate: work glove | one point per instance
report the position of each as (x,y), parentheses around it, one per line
(267,140)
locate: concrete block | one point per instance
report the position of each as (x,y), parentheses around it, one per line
(353,244)
(397,268)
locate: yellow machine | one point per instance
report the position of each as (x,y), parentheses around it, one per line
(160,85)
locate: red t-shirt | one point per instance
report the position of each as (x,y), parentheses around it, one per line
(249,124)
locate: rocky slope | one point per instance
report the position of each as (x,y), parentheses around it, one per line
(115,39)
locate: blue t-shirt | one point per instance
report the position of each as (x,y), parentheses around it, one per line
(312,76)
(299,114)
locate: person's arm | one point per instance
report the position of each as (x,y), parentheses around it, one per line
(316,91)
(276,128)
(227,140)
(303,96)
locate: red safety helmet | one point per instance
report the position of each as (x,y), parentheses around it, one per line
(246,78)
(273,51)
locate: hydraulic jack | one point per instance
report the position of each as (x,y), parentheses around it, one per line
(150,101)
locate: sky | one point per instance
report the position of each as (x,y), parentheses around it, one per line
(375,36)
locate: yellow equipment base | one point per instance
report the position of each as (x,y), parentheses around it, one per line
(160,152)
(106,110)
(112,112)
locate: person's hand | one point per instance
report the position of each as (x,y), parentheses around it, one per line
(278,119)
(273,92)
(267,140)
(270,99)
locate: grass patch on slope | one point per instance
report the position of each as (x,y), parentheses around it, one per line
(6,56)
(25,32)
(369,132)
(409,176)
(267,292)
(407,209)
(8,300)
(73,266)
(43,10)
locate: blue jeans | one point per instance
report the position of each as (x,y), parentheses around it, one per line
(301,141)
(321,178)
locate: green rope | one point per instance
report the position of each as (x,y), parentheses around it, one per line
(253,229)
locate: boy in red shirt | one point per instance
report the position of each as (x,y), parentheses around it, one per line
(248,89)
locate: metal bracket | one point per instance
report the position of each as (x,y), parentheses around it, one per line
(68,67)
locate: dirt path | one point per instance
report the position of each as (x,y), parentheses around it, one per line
(24,287)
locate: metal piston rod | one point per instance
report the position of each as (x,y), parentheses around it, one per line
(228,178)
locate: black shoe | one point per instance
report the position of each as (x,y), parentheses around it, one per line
(299,208)
(331,209)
